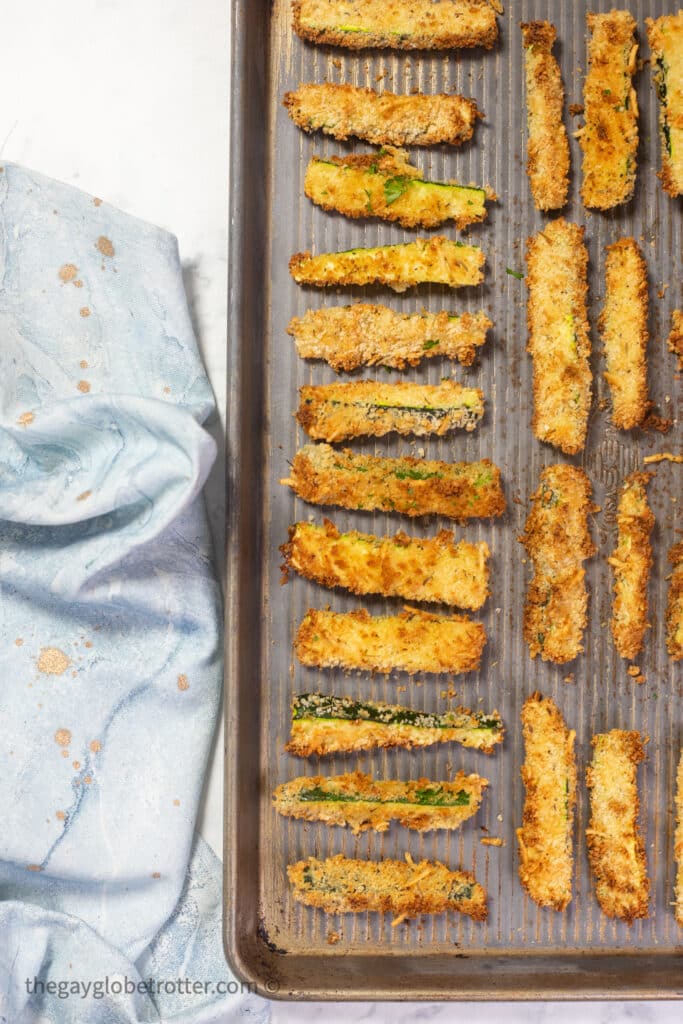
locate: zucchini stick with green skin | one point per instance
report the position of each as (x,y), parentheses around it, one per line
(397,24)
(339,885)
(324,475)
(386,186)
(436,260)
(674,608)
(414,641)
(609,138)
(434,569)
(631,563)
(362,803)
(323,725)
(366,335)
(665,36)
(368,408)
(382,119)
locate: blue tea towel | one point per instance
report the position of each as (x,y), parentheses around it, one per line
(109,624)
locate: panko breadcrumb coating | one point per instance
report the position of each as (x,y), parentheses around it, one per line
(674,608)
(385,119)
(365,335)
(411,642)
(407,889)
(675,341)
(397,24)
(432,569)
(631,563)
(623,325)
(665,36)
(546,856)
(616,850)
(559,338)
(558,541)
(363,803)
(609,138)
(548,148)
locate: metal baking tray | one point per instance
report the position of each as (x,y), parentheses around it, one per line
(521,952)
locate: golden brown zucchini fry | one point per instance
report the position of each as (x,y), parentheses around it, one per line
(324,725)
(631,563)
(385,120)
(411,642)
(546,856)
(559,338)
(678,843)
(435,569)
(676,337)
(368,408)
(365,335)
(436,260)
(385,185)
(623,325)
(324,475)
(665,36)
(615,845)
(609,138)
(674,609)
(339,885)
(362,803)
(558,541)
(548,163)
(397,24)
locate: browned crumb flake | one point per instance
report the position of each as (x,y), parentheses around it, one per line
(546,859)
(623,325)
(491,841)
(558,541)
(53,662)
(674,609)
(63,737)
(609,138)
(548,163)
(183,682)
(105,246)
(559,337)
(404,888)
(83,386)
(397,24)
(385,120)
(68,272)
(631,563)
(615,844)
(26,419)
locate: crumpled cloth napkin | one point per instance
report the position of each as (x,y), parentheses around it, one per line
(110,623)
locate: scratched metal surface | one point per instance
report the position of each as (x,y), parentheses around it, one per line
(521,950)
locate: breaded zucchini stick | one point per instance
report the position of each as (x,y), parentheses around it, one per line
(339,885)
(558,541)
(411,642)
(385,185)
(665,36)
(559,338)
(324,475)
(368,408)
(362,803)
(609,138)
(365,335)
(623,325)
(631,563)
(548,162)
(675,341)
(436,569)
(343,111)
(678,843)
(546,856)
(674,608)
(397,24)
(324,725)
(436,260)
(615,845)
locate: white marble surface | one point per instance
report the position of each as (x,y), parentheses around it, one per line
(129,99)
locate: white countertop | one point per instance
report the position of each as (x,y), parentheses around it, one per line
(128,99)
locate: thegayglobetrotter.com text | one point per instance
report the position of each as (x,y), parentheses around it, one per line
(119,985)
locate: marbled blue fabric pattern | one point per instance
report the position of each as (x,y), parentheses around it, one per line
(110,616)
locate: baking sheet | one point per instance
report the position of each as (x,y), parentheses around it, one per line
(521,951)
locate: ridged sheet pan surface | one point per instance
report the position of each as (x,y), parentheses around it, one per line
(521,950)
